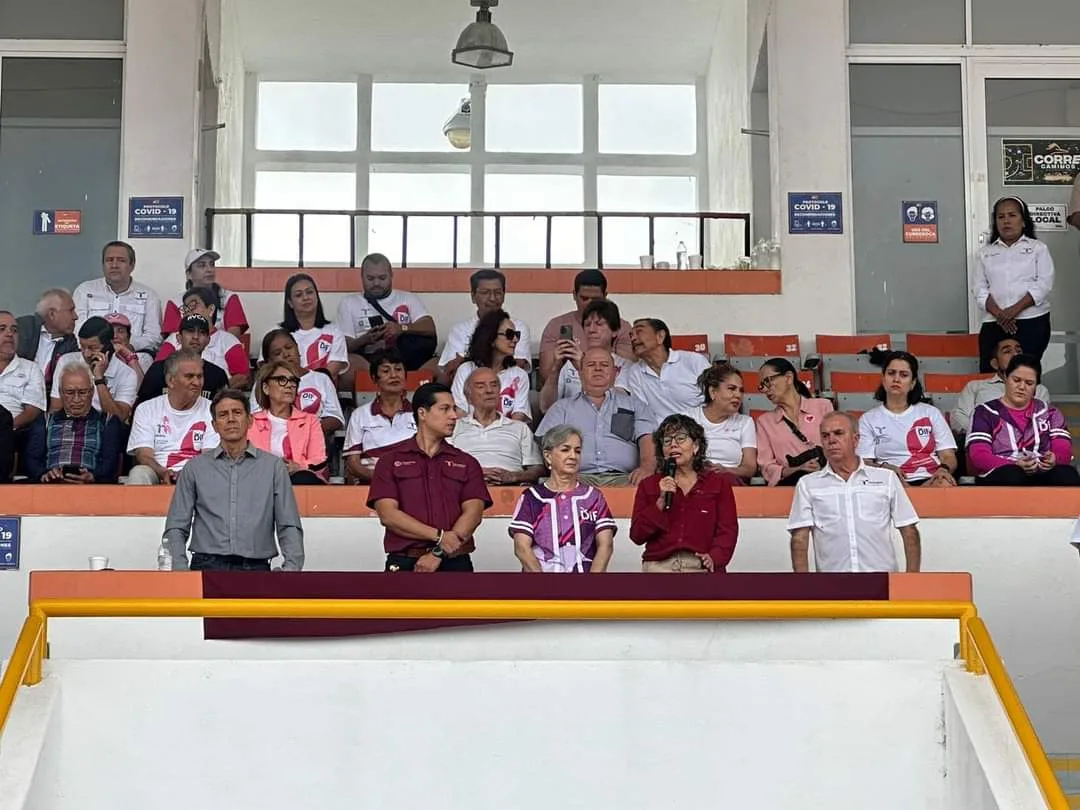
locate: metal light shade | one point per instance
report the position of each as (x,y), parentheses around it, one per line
(458,128)
(482,45)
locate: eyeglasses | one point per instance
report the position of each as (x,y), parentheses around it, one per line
(678,438)
(510,334)
(285,381)
(77,393)
(766,382)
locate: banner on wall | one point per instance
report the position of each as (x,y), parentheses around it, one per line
(155,217)
(1049,216)
(920,221)
(1026,162)
(9,543)
(815,212)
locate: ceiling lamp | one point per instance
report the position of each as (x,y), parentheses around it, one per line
(458,127)
(482,45)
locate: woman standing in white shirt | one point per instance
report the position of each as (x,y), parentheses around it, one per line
(905,434)
(731,438)
(1014,275)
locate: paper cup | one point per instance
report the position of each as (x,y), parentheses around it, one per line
(695,261)
(646,261)
(99,563)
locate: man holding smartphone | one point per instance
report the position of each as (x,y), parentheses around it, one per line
(115,384)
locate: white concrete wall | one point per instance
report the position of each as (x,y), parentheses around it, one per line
(808,88)
(228,231)
(491,734)
(983,759)
(160,126)
(727,101)
(1026,582)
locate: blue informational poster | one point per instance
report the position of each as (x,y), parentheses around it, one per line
(815,212)
(155,217)
(9,543)
(920,221)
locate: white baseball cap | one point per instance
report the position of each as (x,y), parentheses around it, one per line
(199,253)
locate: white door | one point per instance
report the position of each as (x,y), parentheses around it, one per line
(1024,141)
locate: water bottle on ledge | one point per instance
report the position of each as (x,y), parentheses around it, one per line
(681,261)
(164,559)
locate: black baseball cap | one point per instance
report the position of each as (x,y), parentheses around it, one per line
(195,323)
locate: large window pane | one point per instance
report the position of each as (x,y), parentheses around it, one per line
(326,238)
(522,239)
(534,118)
(62,19)
(317,116)
(627,239)
(1037,22)
(906,148)
(648,119)
(410,117)
(431,239)
(930,22)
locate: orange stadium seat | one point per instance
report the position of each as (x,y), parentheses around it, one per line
(691,343)
(948,383)
(922,345)
(854,382)
(762,346)
(851,344)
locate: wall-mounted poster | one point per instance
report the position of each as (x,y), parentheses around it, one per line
(920,221)
(1026,162)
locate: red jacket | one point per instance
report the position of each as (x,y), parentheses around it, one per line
(704,521)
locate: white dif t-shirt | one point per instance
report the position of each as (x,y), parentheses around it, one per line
(279,431)
(909,440)
(726,440)
(175,436)
(513,390)
(321,346)
(354,312)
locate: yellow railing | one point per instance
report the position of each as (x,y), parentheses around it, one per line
(976,647)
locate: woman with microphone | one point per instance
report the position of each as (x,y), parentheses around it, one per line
(684,514)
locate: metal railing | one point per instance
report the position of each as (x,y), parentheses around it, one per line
(977,649)
(598,217)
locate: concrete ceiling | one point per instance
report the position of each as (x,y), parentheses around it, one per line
(633,39)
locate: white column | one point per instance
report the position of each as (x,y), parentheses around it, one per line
(160,127)
(808,88)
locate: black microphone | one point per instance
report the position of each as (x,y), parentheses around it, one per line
(669,472)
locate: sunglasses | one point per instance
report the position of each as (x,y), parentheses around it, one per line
(766,382)
(511,334)
(285,381)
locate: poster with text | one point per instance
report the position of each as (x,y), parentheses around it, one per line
(920,221)
(1026,162)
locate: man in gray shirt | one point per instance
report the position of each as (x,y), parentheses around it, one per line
(231,500)
(617,428)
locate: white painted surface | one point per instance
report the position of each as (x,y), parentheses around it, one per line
(496,733)
(553,38)
(30,747)
(230,73)
(1026,578)
(985,764)
(160,128)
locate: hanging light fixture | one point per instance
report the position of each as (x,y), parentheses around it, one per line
(458,127)
(482,45)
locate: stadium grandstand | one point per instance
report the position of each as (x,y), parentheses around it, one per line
(300,299)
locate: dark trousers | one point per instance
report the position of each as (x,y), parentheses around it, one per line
(305,478)
(7,445)
(403,562)
(1033,334)
(226,562)
(1063,475)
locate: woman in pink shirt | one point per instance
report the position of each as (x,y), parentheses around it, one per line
(283,429)
(789,437)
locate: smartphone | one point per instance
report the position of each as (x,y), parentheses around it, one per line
(71,469)
(375,321)
(566,332)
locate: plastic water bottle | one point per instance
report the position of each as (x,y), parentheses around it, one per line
(681,262)
(164,559)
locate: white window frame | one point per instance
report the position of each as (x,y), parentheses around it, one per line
(589,163)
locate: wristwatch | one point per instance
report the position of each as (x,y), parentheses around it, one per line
(101,382)
(437,550)
(404,327)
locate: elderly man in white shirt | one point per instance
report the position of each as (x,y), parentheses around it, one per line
(664,378)
(850,510)
(505,447)
(116,292)
(22,385)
